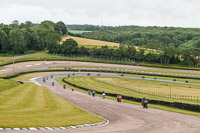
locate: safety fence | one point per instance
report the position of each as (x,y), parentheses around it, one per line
(168,95)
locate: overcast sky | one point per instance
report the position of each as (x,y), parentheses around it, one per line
(179,13)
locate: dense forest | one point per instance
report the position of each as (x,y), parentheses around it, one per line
(22,38)
(83,27)
(155,37)
(166,45)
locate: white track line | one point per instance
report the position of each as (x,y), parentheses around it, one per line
(28,65)
(38,64)
(48,63)
(34,81)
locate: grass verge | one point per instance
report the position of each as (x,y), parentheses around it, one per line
(29,105)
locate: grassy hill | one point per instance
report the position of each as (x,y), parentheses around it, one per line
(91,42)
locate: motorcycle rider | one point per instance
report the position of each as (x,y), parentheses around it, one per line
(103,95)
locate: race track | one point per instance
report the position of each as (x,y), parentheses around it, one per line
(123,117)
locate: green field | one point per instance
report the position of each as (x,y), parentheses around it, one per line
(78,31)
(29,105)
(139,88)
(90,42)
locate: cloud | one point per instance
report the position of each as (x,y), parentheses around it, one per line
(184,13)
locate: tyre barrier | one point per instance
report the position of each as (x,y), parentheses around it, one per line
(21,82)
(178,105)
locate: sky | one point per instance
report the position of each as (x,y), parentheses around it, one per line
(176,13)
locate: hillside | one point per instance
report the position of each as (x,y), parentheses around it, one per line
(150,37)
(90,42)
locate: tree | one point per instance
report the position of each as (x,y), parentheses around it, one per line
(196,52)
(197,43)
(47,38)
(168,53)
(187,45)
(69,46)
(6,47)
(105,51)
(94,51)
(117,53)
(47,25)
(187,56)
(83,50)
(3,39)
(42,33)
(31,38)
(60,27)
(52,40)
(128,49)
(152,57)
(17,41)
(28,24)
(140,55)
(15,24)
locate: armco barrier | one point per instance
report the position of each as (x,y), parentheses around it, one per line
(184,106)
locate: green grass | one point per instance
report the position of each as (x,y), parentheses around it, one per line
(137,103)
(166,78)
(78,31)
(22,78)
(128,87)
(7,84)
(153,86)
(29,105)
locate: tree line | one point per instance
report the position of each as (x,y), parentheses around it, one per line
(169,55)
(18,38)
(165,45)
(148,36)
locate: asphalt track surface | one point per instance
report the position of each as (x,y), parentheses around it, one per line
(36,65)
(123,117)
